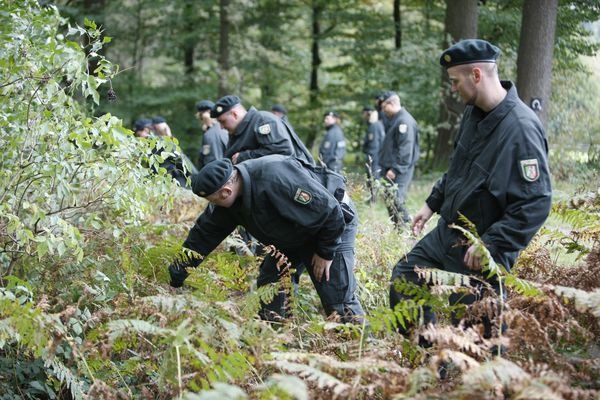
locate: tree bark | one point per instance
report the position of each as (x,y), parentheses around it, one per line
(397,24)
(536,50)
(224,27)
(460,23)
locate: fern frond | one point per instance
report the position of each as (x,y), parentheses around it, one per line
(64,374)
(584,301)
(322,379)
(439,277)
(461,360)
(120,327)
(264,294)
(495,376)
(466,340)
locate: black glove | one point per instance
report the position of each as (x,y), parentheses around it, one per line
(178,273)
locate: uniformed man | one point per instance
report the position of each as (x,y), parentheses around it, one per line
(142,127)
(254,133)
(281,203)
(373,140)
(214,138)
(498,177)
(280,111)
(333,147)
(398,156)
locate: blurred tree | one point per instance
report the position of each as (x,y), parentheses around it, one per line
(536,48)
(460,23)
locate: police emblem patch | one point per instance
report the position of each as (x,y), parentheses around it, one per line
(403,128)
(326,145)
(219,109)
(530,170)
(341,144)
(371,137)
(206,149)
(302,196)
(447,58)
(264,129)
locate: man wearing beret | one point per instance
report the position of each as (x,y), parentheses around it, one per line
(214,139)
(498,178)
(253,133)
(281,203)
(398,156)
(333,147)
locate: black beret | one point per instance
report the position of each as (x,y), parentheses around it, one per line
(212,177)
(387,95)
(223,105)
(142,123)
(469,51)
(331,113)
(204,105)
(279,108)
(158,120)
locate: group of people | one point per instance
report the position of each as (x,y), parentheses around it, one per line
(266,180)
(177,164)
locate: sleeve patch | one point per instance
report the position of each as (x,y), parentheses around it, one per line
(303,196)
(341,144)
(206,149)
(403,128)
(326,145)
(530,170)
(264,129)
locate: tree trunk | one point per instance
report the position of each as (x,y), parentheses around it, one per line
(461,23)
(397,25)
(536,50)
(314,71)
(189,43)
(224,26)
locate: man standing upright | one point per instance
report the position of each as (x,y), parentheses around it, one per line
(398,155)
(333,147)
(214,138)
(498,178)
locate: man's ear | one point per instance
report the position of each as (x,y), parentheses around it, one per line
(225,192)
(476,71)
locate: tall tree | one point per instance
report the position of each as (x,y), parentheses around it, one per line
(460,23)
(397,25)
(224,28)
(536,50)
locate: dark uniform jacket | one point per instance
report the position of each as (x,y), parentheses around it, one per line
(261,133)
(498,176)
(282,204)
(214,142)
(373,141)
(400,149)
(333,147)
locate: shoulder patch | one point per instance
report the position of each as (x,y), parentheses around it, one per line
(326,145)
(264,129)
(206,149)
(303,196)
(403,128)
(370,137)
(341,144)
(530,170)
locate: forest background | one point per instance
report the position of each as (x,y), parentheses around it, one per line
(87,231)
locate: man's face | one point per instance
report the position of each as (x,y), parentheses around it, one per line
(329,120)
(387,106)
(461,80)
(144,132)
(229,121)
(222,198)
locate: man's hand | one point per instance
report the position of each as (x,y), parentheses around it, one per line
(178,274)
(420,219)
(390,174)
(234,158)
(320,267)
(473,258)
